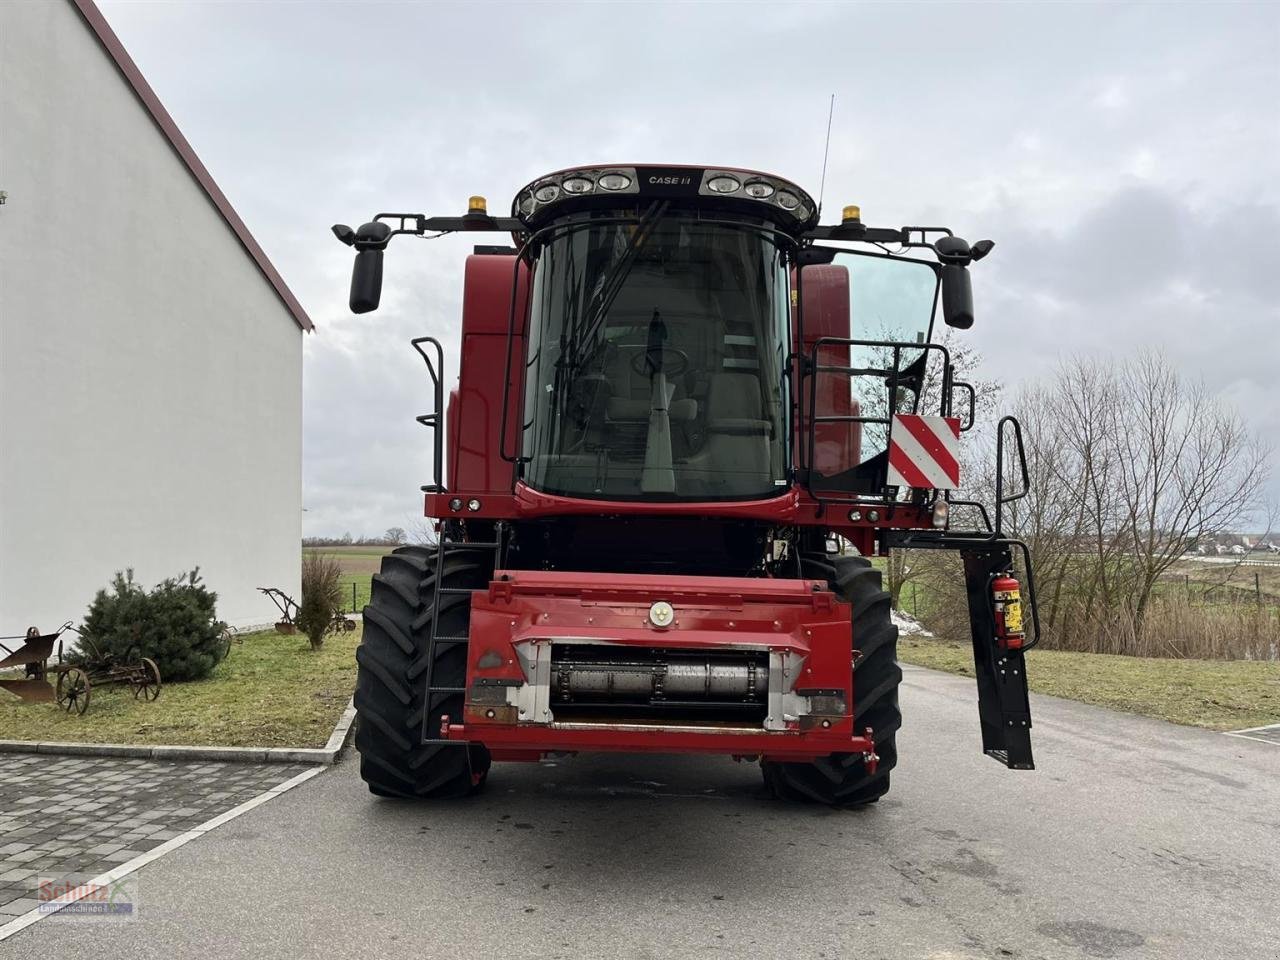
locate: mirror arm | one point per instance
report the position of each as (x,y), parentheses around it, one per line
(858,231)
(420,223)
(371,239)
(855,230)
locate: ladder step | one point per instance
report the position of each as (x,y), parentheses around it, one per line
(431,690)
(455,591)
(437,742)
(450,640)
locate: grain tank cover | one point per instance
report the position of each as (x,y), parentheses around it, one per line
(748,192)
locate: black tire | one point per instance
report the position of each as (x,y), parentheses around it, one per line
(841,780)
(391,677)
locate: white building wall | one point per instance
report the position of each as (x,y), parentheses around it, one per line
(150,377)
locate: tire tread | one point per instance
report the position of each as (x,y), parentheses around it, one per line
(841,780)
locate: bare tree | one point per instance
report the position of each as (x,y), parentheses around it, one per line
(1132,466)
(1189,470)
(423,533)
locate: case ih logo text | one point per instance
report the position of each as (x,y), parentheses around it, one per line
(671,181)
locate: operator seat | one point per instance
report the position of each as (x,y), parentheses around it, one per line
(737,432)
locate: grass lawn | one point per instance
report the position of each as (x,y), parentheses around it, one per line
(272,691)
(1218,694)
(359,562)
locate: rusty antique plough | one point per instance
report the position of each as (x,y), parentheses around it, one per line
(74,682)
(288,607)
(33,656)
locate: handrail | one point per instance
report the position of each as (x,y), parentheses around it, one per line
(433,419)
(981,508)
(973,402)
(893,378)
(1001,499)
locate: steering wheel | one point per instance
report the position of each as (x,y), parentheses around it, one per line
(669,360)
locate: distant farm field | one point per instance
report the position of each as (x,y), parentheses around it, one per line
(359,563)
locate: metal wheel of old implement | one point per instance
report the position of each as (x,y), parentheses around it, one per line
(341,623)
(74,690)
(98,668)
(146,683)
(223,649)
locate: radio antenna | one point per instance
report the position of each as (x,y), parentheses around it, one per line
(826,149)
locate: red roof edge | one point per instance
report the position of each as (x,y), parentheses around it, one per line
(111,43)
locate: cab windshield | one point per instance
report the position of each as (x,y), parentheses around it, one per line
(655,361)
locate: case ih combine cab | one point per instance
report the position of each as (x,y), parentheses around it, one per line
(686,417)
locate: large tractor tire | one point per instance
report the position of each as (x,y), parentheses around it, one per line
(841,779)
(391,678)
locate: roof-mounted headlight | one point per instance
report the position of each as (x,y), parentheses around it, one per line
(787,200)
(576,185)
(546,193)
(758,189)
(723,184)
(614,181)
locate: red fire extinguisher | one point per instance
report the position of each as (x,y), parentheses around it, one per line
(1006,596)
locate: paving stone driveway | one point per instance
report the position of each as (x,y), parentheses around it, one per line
(72,818)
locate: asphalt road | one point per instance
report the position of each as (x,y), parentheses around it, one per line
(1133,839)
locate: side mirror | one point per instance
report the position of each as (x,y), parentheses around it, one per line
(957,289)
(366,281)
(957,296)
(366,275)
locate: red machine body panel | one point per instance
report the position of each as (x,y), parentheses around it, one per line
(475,406)
(837,446)
(800,619)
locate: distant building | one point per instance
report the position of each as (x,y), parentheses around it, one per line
(150,354)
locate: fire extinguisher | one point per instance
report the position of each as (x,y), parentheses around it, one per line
(1006,598)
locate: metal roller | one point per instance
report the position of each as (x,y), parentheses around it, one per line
(682,679)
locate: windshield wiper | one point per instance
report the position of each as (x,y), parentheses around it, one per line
(611,285)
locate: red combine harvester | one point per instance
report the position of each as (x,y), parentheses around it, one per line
(686,416)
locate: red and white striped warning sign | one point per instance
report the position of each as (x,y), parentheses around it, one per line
(924,452)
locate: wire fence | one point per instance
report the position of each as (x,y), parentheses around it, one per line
(1217,593)
(355,591)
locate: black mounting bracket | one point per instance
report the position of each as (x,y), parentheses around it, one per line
(1004,709)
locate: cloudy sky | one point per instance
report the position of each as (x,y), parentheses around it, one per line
(1124,157)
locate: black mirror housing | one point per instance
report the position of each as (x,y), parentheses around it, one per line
(957,296)
(366,281)
(366,276)
(957,289)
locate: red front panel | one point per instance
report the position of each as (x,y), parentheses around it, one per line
(796,622)
(475,407)
(838,445)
